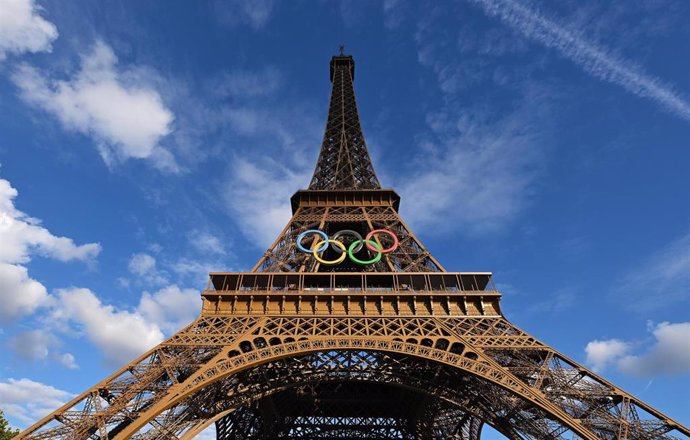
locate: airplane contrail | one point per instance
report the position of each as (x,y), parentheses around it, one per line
(592,58)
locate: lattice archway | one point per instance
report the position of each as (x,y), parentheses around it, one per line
(461,380)
(451,422)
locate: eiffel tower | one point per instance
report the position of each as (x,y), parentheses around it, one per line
(347,327)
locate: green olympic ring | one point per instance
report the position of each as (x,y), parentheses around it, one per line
(374,260)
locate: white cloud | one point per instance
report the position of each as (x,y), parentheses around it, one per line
(392,13)
(40,346)
(592,58)
(661,280)
(248,84)
(669,353)
(601,354)
(260,180)
(141,264)
(67,360)
(259,198)
(254,13)
(32,345)
(556,302)
(206,242)
(195,271)
(121,335)
(22,29)
(482,170)
(28,401)
(144,266)
(21,237)
(171,308)
(19,294)
(118,109)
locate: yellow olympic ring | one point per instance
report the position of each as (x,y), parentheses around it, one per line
(342,256)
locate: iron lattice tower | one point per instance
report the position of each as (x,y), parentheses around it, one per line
(395,349)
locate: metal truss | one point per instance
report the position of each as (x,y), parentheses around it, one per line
(410,256)
(344,161)
(455,372)
(399,349)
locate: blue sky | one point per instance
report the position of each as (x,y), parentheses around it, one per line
(144,144)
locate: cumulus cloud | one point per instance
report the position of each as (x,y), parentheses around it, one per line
(120,334)
(19,294)
(40,346)
(22,237)
(601,354)
(170,308)
(22,29)
(668,354)
(119,109)
(28,401)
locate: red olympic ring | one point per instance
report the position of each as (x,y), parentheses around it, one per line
(383,251)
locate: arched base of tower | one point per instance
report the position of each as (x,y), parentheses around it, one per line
(342,410)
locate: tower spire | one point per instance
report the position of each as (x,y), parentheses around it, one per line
(344,161)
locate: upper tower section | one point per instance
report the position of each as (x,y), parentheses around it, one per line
(344,161)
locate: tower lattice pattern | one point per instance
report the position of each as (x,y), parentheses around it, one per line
(396,349)
(344,161)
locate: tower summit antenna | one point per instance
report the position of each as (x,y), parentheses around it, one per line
(342,50)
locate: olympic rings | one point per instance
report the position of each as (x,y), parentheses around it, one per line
(323,242)
(383,231)
(337,260)
(374,260)
(355,234)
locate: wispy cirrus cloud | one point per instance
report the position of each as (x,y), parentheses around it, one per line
(259,197)
(253,13)
(483,167)
(663,279)
(276,138)
(593,58)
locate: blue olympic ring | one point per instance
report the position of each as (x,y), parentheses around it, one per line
(301,236)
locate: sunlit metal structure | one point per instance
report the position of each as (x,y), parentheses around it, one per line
(327,338)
